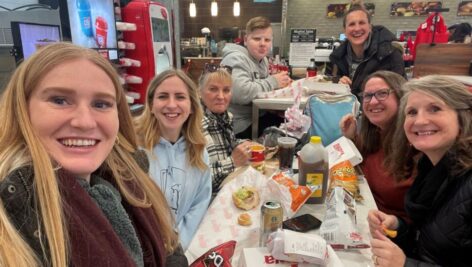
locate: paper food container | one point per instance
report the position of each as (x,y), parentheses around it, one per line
(257,257)
(343,149)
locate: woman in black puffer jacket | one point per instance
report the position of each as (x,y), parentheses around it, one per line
(367,49)
(436,115)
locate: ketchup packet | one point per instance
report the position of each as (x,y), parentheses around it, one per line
(219,256)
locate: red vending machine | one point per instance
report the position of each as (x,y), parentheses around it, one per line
(153,40)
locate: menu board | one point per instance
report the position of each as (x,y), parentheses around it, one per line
(302,47)
(303,35)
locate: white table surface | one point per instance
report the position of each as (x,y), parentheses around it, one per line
(271,104)
(351,258)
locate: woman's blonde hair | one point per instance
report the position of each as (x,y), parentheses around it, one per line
(221,75)
(21,146)
(148,127)
(457,97)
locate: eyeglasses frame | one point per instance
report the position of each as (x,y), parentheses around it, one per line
(366,98)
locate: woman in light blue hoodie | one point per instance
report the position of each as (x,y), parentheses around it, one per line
(170,130)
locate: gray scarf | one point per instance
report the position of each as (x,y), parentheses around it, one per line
(108,199)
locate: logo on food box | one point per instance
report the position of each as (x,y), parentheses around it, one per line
(268,259)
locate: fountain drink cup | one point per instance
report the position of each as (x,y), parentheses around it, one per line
(286,152)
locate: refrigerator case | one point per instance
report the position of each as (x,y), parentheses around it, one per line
(153,41)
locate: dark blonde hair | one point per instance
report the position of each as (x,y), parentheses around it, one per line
(257,23)
(457,97)
(218,75)
(21,146)
(148,128)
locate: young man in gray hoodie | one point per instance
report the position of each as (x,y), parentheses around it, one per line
(250,74)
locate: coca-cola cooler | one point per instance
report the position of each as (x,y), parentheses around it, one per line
(153,40)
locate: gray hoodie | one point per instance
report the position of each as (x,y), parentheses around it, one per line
(250,77)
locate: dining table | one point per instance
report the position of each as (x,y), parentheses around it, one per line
(219,225)
(281,99)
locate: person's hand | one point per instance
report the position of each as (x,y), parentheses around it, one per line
(345,80)
(348,125)
(378,221)
(241,154)
(282,78)
(385,252)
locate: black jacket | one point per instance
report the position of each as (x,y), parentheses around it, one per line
(18,197)
(380,55)
(440,206)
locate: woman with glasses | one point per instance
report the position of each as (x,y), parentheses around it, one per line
(170,131)
(367,49)
(225,151)
(435,118)
(380,99)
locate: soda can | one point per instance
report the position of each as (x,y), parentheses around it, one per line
(271,220)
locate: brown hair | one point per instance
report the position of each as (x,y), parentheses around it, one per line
(257,23)
(354,8)
(457,97)
(370,137)
(148,128)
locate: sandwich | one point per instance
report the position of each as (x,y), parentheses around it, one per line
(246,198)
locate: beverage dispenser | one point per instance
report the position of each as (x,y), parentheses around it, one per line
(153,41)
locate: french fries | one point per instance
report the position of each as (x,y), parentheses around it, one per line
(388,232)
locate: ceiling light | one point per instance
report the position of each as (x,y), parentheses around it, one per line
(193,9)
(236,9)
(214,8)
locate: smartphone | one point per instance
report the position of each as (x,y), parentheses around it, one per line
(302,223)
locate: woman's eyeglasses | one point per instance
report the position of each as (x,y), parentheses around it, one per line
(211,67)
(380,95)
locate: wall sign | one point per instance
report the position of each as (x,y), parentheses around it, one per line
(339,10)
(302,46)
(408,9)
(303,35)
(464,8)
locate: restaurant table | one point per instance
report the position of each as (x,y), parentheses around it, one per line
(216,229)
(309,87)
(271,104)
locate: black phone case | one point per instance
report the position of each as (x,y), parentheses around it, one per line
(302,223)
